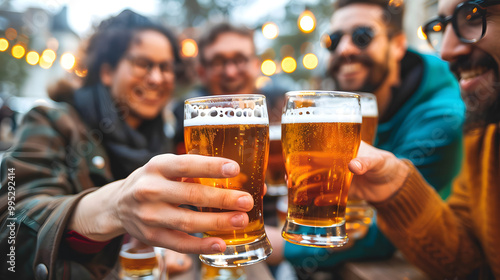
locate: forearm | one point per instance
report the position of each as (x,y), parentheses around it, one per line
(95,216)
(427,231)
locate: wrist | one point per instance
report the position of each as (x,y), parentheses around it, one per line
(94,216)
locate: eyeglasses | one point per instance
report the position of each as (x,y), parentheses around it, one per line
(143,66)
(361,36)
(468,21)
(219,63)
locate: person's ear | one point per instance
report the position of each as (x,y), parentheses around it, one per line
(399,46)
(106,74)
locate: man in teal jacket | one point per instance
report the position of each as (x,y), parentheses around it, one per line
(420,111)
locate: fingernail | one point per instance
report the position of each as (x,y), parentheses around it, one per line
(358,164)
(237,220)
(216,247)
(244,202)
(229,169)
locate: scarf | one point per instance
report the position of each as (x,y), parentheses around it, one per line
(127,148)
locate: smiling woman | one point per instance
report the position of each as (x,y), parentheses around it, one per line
(92,167)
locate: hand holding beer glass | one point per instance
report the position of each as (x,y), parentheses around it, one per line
(359,215)
(234,127)
(320,135)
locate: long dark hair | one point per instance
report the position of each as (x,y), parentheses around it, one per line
(112,39)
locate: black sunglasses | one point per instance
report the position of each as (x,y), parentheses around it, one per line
(468,21)
(361,36)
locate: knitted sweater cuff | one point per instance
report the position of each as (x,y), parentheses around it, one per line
(407,205)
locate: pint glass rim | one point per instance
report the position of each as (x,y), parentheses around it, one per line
(228,97)
(333,93)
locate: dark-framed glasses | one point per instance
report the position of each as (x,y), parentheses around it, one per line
(142,67)
(361,36)
(219,62)
(468,21)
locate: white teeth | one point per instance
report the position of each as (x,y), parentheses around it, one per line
(468,74)
(350,67)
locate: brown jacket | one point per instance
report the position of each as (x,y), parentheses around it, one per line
(56,160)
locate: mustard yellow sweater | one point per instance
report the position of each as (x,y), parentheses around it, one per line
(450,240)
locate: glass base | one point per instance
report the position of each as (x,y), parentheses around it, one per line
(240,255)
(359,217)
(277,190)
(332,236)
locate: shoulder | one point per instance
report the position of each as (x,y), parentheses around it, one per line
(57,116)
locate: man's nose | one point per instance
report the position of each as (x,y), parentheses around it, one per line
(451,46)
(230,69)
(346,47)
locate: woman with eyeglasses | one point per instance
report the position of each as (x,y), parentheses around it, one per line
(86,171)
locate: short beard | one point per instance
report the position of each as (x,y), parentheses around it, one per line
(377,72)
(482,110)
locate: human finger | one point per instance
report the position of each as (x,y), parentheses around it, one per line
(186,220)
(184,243)
(194,194)
(194,166)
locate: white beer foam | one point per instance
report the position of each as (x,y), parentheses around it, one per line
(369,107)
(320,115)
(196,116)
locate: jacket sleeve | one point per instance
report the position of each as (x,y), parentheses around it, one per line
(48,176)
(433,235)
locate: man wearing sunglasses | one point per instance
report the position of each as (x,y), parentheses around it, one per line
(420,110)
(459,238)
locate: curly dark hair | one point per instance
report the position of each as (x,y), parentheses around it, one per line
(393,12)
(112,39)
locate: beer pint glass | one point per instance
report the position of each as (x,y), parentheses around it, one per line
(320,136)
(359,214)
(234,127)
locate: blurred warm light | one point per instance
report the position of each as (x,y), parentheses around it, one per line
(307,21)
(32,57)
(262,81)
(18,51)
(325,41)
(68,61)
(44,64)
(4,44)
(437,27)
(288,64)
(10,33)
(49,56)
(268,67)
(310,61)
(81,73)
(270,30)
(420,33)
(52,44)
(396,3)
(189,48)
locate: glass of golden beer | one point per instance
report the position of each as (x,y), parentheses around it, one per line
(275,176)
(320,136)
(359,214)
(234,127)
(138,262)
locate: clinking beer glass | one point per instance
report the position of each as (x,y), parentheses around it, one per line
(359,214)
(234,127)
(320,136)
